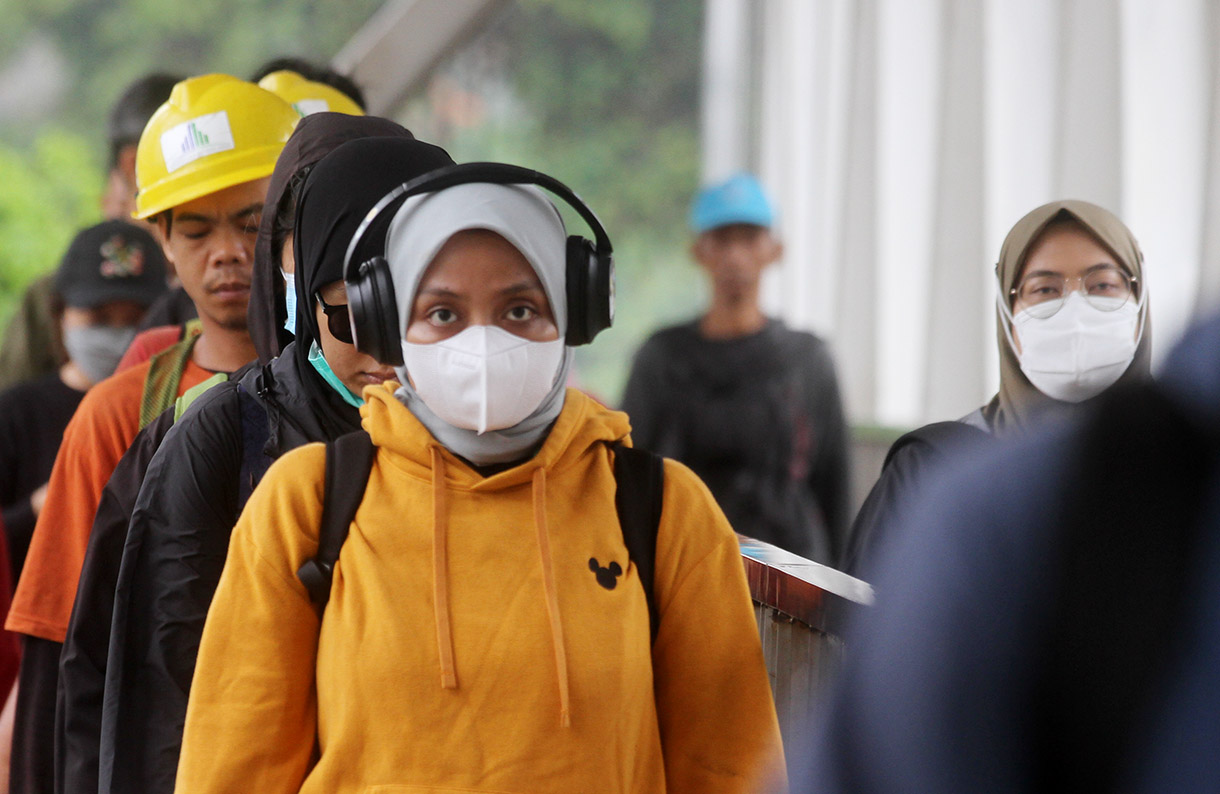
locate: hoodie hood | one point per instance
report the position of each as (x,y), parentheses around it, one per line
(315,136)
(582,427)
(583,424)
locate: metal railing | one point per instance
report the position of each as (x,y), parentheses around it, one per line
(800,606)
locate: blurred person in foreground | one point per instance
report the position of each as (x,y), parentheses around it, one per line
(29,348)
(751,405)
(1071,322)
(1048,617)
(109,275)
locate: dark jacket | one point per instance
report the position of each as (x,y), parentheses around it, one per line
(294,406)
(1047,617)
(171,562)
(760,421)
(172,552)
(910,465)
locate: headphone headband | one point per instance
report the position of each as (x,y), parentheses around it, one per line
(473,173)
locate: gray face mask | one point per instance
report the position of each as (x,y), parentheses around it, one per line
(96,349)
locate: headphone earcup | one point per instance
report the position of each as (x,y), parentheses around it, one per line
(374,312)
(590,291)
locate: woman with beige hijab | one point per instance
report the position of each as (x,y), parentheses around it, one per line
(1071,321)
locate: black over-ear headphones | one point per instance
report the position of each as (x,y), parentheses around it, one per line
(370,290)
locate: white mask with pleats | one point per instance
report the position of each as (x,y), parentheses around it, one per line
(483,378)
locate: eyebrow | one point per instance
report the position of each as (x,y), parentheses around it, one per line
(249,210)
(193,217)
(438,292)
(522,286)
(1089,269)
(197,217)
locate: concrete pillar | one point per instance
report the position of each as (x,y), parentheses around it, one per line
(957,300)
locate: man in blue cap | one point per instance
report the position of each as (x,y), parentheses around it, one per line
(751,405)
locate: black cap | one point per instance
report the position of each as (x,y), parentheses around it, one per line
(111,261)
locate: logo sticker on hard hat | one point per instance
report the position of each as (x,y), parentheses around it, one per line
(307,107)
(199,137)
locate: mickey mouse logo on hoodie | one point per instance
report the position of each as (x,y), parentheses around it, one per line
(606,577)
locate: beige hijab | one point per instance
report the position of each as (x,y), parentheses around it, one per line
(1014,407)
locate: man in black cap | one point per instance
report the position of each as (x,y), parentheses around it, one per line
(109,276)
(28,347)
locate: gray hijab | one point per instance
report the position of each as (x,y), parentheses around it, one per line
(524,217)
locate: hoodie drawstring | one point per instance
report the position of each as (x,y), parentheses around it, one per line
(440,583)
(440,572)
(552,601)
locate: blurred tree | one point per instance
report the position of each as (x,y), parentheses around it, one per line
(52,160)
(604,96)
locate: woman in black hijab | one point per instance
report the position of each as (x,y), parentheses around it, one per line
(199,478)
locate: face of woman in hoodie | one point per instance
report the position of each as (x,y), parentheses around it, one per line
(479,278)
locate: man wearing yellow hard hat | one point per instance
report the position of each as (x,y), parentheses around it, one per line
(202,167)
(307,96)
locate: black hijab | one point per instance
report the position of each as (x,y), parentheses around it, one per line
(315,136)
(336,196)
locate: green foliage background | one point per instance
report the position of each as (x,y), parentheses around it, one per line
(603,95)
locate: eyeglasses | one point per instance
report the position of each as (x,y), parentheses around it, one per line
(1106,289)
(338,320)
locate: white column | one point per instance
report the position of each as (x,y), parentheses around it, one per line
(1207,298)
(959,287)
(726,87)
(1089,138)
(909,55)
(856,322)
(1164,110)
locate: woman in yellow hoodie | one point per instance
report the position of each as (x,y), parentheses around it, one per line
(486,630)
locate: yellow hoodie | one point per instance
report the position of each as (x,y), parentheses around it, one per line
(477,638)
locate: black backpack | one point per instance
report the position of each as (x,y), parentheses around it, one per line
(639,476)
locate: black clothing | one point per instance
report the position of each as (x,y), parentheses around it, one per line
(315,136)
(759,419)
(146,627)
(175,307)
(82,662)
(909,466)
(1047,614)
(33,416)
(34,721)
(357,174)
(171,563)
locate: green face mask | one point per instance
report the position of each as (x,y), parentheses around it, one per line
(328,375)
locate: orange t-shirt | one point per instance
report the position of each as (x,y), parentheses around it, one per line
(101,430)
(148,344)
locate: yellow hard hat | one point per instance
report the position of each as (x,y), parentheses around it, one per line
(307,96)
(215,131)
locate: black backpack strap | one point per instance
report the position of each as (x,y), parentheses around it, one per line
(349,460)
(1130,530)
(640,487)
(255,429)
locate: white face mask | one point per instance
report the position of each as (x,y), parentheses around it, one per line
(1080,351)
(483,378)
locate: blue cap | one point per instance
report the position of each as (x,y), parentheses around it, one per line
(739,199)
